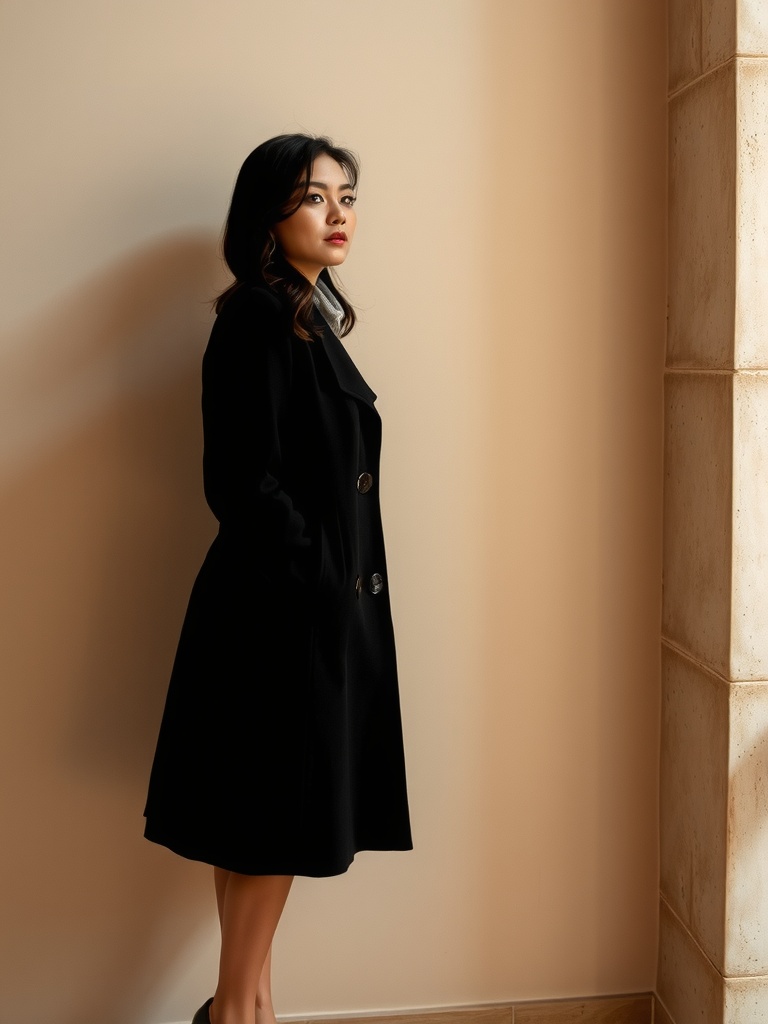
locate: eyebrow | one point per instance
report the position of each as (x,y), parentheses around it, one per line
(320,184)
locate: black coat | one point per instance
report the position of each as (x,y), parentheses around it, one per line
(280,749)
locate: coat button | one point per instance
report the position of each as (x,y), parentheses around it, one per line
(376,584)
(358,586)
(364,483)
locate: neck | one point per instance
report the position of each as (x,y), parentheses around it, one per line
(311,273)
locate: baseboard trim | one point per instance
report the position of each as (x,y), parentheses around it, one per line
(633,1008)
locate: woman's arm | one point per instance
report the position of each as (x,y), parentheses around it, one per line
(247,377)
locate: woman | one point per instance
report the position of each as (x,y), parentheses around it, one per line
(280,751)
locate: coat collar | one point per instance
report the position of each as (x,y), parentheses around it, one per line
(347,374)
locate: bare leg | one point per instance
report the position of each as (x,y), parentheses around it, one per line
(265,1013)
(220,879)
(249,910)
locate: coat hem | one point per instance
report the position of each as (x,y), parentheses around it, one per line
(280,866)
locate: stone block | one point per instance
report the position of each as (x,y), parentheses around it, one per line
(702,214)
(749,593)
(752,26)
(746,883)
(751,215)
(684,22)
(718,32)
(746,1001)
(660,1015)
(687,983)
(696,606)
(693,799)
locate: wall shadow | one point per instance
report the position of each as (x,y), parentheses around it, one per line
(104,526)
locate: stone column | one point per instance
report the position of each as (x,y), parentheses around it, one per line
(713,955)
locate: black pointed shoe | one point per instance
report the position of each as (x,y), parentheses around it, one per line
(203,1016)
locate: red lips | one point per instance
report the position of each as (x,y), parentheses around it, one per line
(337,236)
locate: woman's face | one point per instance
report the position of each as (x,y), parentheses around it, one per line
(320,232)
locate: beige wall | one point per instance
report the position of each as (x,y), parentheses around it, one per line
(510,271)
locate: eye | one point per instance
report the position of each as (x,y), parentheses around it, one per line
(349,200)
(314,197)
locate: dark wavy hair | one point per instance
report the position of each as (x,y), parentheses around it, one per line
(272,184)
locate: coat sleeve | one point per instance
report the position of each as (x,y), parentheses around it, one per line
(247,378)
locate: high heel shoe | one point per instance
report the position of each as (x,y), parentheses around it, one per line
(203,1016)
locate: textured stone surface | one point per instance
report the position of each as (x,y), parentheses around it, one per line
(718,32)
(746,920)
(746,1001)
(688,984)
(753,26)
(713,955)
(702,212)
(660,1015)
(697,515)
(684,18)
(749,601)
(694,799)
(702,35)
(751,214)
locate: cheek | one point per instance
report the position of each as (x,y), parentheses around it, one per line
(292,233)
(310,225)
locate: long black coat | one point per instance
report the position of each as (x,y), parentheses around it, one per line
(280,749)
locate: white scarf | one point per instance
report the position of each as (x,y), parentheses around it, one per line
(329,307)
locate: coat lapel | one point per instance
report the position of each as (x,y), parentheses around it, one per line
(347,374)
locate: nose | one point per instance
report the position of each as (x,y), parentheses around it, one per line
(336,214)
